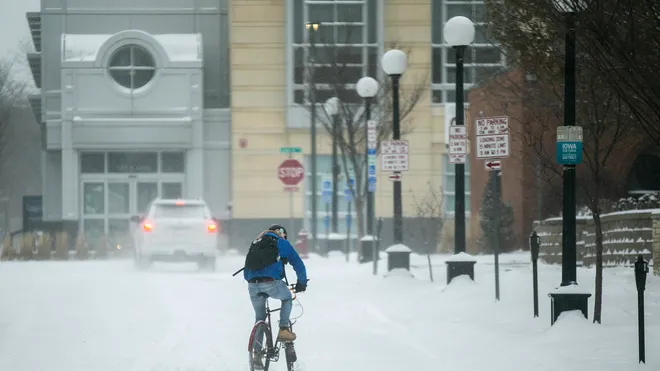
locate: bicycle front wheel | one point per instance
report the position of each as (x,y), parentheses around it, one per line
(259,346)
(290,355)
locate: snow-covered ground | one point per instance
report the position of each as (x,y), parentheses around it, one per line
(98,316)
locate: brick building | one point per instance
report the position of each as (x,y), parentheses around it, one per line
(633,170)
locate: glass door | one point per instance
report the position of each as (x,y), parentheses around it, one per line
(145,192)
(93,209)
(119,209)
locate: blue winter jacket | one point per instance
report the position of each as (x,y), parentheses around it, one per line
(276,269)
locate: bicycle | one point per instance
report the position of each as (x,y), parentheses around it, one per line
(271,352)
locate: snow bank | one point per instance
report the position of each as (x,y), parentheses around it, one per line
(398,248)
(461,257)
(570,289)
(399,272)
(369,238)
(336,236)
(571,321)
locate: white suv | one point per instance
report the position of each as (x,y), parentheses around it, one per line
(176,231)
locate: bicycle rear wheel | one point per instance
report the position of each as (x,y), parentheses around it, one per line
(259,346)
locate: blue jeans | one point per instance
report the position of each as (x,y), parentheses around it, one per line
(275,289)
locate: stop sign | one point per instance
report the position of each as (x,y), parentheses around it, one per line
(291,172)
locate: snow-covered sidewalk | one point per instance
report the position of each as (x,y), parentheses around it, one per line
(97,316)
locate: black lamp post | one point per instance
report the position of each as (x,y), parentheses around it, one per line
(394,64)
(367,88)
(332,109)
(459,33)
(568,296)
(312,27)
(332,106)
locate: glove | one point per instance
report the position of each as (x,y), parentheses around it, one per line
(300,287)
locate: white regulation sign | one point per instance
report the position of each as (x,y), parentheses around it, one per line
(394,155)
(457,140)
(457,159)
(492,146)
(492,125)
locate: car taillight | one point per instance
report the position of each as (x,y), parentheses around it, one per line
(147,227)
(212,227)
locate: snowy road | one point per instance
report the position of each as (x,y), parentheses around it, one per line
(98,316)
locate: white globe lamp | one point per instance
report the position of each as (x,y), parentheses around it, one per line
(367,87)
(459,31)
(394,62)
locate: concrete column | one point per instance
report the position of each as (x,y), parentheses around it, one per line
(70,182)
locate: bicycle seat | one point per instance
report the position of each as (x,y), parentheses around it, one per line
(263,295)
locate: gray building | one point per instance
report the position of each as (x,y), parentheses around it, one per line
(133,105)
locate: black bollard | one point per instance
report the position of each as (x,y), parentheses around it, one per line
(376,245)
(641,270)
(534,247)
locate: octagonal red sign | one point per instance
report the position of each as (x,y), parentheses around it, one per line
(291,172)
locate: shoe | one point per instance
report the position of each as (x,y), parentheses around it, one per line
(286,335)
(257,363)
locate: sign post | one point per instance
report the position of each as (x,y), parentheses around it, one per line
(348,197)
(569,145)
(492,143)
(372,148)
(290,172)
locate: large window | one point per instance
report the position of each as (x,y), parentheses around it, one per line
(339,53)
(324,173)
(483,58)
(449,187)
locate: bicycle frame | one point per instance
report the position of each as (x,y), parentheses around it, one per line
(272,353)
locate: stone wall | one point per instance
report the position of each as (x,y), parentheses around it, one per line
(626,235)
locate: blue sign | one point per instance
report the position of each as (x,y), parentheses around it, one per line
(372,169)
(372,183)
(569,153)
(326,221)
(371,152)
(327,190)
(348,196)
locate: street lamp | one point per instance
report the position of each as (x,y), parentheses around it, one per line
(332,109)
(311,28)
(394,64)
(459,33)
(367,88)
(569,299)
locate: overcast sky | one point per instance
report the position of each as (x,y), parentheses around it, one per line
(14,27)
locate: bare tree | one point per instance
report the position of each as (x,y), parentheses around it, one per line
(608,127)
(430,220)
(614,41)
(12,94)
(332,73)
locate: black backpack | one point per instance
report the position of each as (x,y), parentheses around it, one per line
(262,253)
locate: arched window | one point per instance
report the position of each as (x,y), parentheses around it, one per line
(132,66)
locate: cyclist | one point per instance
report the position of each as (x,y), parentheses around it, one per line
(268,280)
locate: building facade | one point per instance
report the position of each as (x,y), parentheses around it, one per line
(133,106)
(195,98)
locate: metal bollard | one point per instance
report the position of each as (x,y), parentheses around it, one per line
(534,247)
(641,270)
